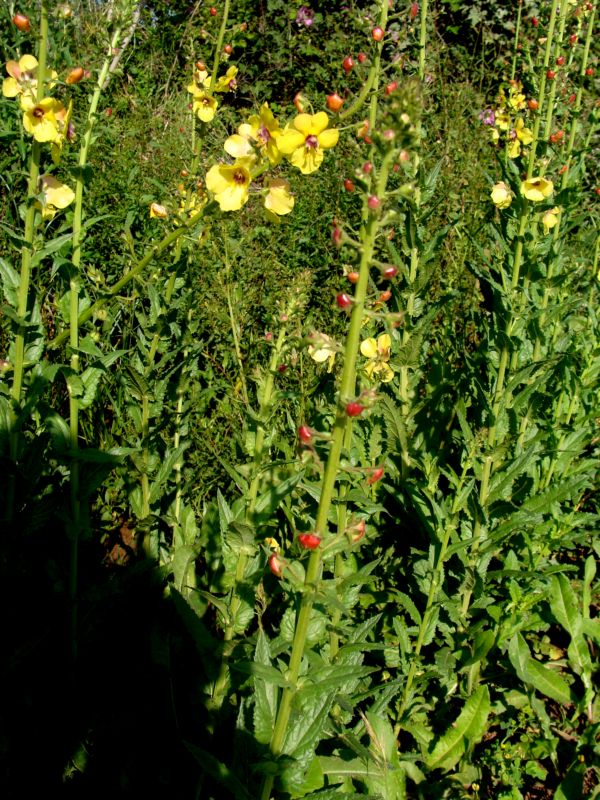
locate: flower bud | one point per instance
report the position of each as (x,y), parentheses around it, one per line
(349,185)
(275,565)
(77,74)
(377,33)
(21,22)
(309,541)
(376,474)
(354,409)
(305,434)
(343,300)
(347,64)
(334,102)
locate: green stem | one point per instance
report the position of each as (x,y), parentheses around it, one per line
(542,90)
(513,70)
(423,38)
(26,258)
(74,287)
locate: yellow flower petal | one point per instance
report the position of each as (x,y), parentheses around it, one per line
(368,348)
(238,146)
(279,200)
(329,138)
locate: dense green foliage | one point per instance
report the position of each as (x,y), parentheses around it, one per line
(173,627)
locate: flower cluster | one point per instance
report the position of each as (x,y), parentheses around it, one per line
(262,143)
(203,87)
(47,120)
(506,123)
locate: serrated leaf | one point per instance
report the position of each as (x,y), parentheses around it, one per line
(468,729)
(269,500)
(540,677)
(265,693)
(184,556)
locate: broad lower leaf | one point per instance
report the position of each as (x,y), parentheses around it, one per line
(466,731)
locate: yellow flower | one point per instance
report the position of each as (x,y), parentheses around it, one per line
(66,131)
(262,131)
(522,135)
(516,97)
(537,189)
(304,146)
(40,119)
(279,200)
(501,195)
(203,104)
(227,82)
(22,78)
(322,348)
(502,120)
(550,219)
(54,196)
(378,353)
(229,183)
(157,211)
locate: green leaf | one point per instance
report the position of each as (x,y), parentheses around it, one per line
(468,729)
(544,680)
(564,605)
(184,556)
(265,693)
(165,470)
(268,502)
(10,282)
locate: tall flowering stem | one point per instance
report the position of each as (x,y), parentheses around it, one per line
(341,433)
(508,359)
(26,255)
(75,285)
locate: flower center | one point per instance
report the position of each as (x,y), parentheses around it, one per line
(263,134)
(205,101)
(38,112)
(311,141)
(239,177)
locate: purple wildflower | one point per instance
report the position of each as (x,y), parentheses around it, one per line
(305,16)
(488,117)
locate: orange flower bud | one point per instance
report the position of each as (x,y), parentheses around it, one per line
(76,74)
(21,22)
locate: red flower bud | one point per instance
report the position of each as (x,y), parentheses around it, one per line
(305,434)
(309,541)
(389,272)
(589,71)
(391,87)
(343,300)
(354,409)
(275,565)
(556,137)
(347,64)
(362,57)
(573,38)
(373,202)
(367,167)
(560,61)
(21,22)
(535,22)
(334,102)
(385,296)
(212,11)
(336,236)
(572,98)
(348,185)
(376,474)
(377,33)
(353,276)
(533,104)
(551,74)
(414,10)
(228,49)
